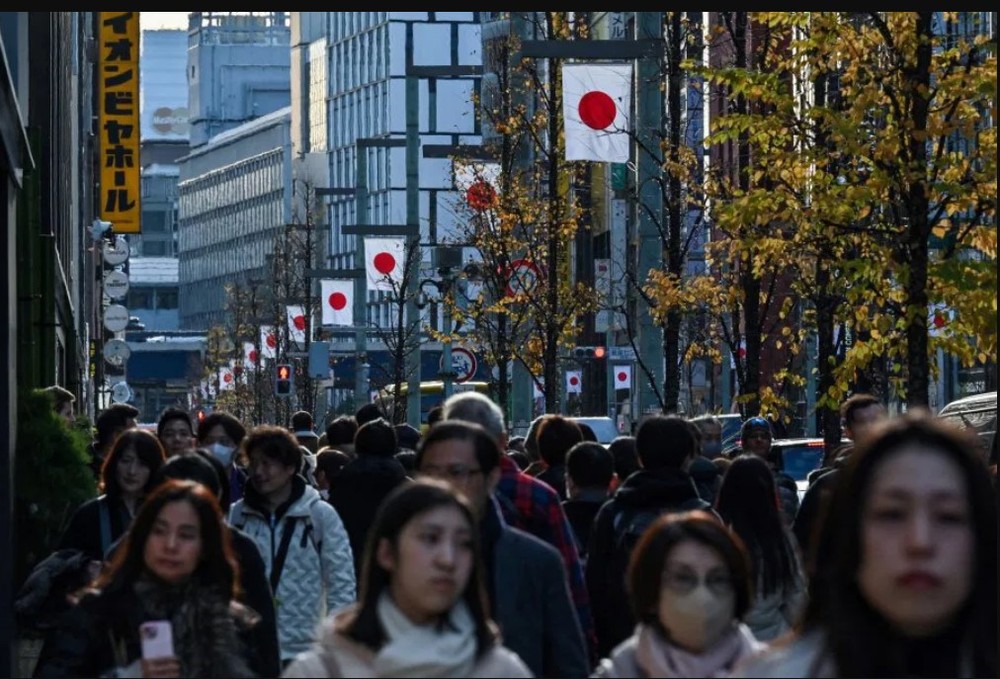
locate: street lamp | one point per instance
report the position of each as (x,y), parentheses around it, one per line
(448,259)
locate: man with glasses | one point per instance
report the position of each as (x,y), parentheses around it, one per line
(527,503)
(526,584)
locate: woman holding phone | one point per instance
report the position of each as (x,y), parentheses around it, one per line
(169,591)
(423,610)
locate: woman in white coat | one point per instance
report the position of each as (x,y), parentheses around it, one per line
(422,610)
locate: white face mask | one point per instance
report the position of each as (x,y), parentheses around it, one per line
(698,619)
(222,453)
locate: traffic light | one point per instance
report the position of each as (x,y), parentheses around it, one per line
(282,380)
(583,353)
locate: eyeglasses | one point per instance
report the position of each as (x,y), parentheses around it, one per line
(683,582)
(455,472)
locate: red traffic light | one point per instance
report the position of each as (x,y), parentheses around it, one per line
(284,372)
(599,352)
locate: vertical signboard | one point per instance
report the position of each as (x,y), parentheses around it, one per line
(118,119)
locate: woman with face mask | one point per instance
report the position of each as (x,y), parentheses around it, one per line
(689,587)
(905,579)
(221,434)
(422,610)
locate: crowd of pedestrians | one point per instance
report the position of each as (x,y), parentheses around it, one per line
(373,550)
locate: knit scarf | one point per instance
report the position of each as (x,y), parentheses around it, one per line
(659,658)
(435,650)
(204,631)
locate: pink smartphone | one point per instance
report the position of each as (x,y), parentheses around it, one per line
(157,639)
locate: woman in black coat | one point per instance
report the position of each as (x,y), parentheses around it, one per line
(175,565)
(126,477)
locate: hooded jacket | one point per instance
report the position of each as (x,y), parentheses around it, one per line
(661,490)
(318,572)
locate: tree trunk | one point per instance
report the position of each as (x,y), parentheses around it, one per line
(674,202)
(918,204)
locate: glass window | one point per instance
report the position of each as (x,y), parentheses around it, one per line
(166,299)
(139,298)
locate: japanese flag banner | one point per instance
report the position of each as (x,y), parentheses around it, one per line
(384,262)
(226,379)
(337,297)
(296,323)
(268,342)
(597,99)
(574,381)
(623,376)
(478,184)
(251,357)
(536,388)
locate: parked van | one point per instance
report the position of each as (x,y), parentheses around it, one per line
(978,412)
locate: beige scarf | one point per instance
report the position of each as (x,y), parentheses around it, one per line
(445,650)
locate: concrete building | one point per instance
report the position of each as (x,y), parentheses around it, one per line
(234,199)
(233,184)
(349,78)
(49,316)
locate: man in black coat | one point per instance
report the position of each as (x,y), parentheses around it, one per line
(359,488)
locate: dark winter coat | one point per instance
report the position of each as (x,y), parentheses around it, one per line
(356,494)
(663,490)
(83,531)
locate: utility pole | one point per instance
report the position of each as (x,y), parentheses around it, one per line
(649,26)
(647,50)
(413,76)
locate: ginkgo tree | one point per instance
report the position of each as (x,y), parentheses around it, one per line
(528,290)
(870,180)
(919,92)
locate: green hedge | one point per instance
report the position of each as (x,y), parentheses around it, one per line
(52,478)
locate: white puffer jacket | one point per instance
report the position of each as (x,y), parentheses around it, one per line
(318,575)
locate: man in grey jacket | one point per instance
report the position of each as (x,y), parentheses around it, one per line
(306,551)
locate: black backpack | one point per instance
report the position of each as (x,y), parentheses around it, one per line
(629,524)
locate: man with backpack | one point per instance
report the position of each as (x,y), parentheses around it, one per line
(666,446)
(306,551)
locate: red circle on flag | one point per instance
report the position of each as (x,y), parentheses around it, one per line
(597,110)
(338,301)
(252,356)
(272,341)
(480,195)
(228,377)
(574,380)
(384,263)
(299,322)
(939,320)
(622,376)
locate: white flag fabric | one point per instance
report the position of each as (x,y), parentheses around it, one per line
(268,342)
(337,297)
(251,359)
(536,387)
(296,323)
(574,381)
(478,184)
(741,353)
(623,376)
(597,99)
(384,261)
(226,379)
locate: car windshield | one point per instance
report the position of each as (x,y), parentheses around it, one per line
(604,428)
(799,460)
